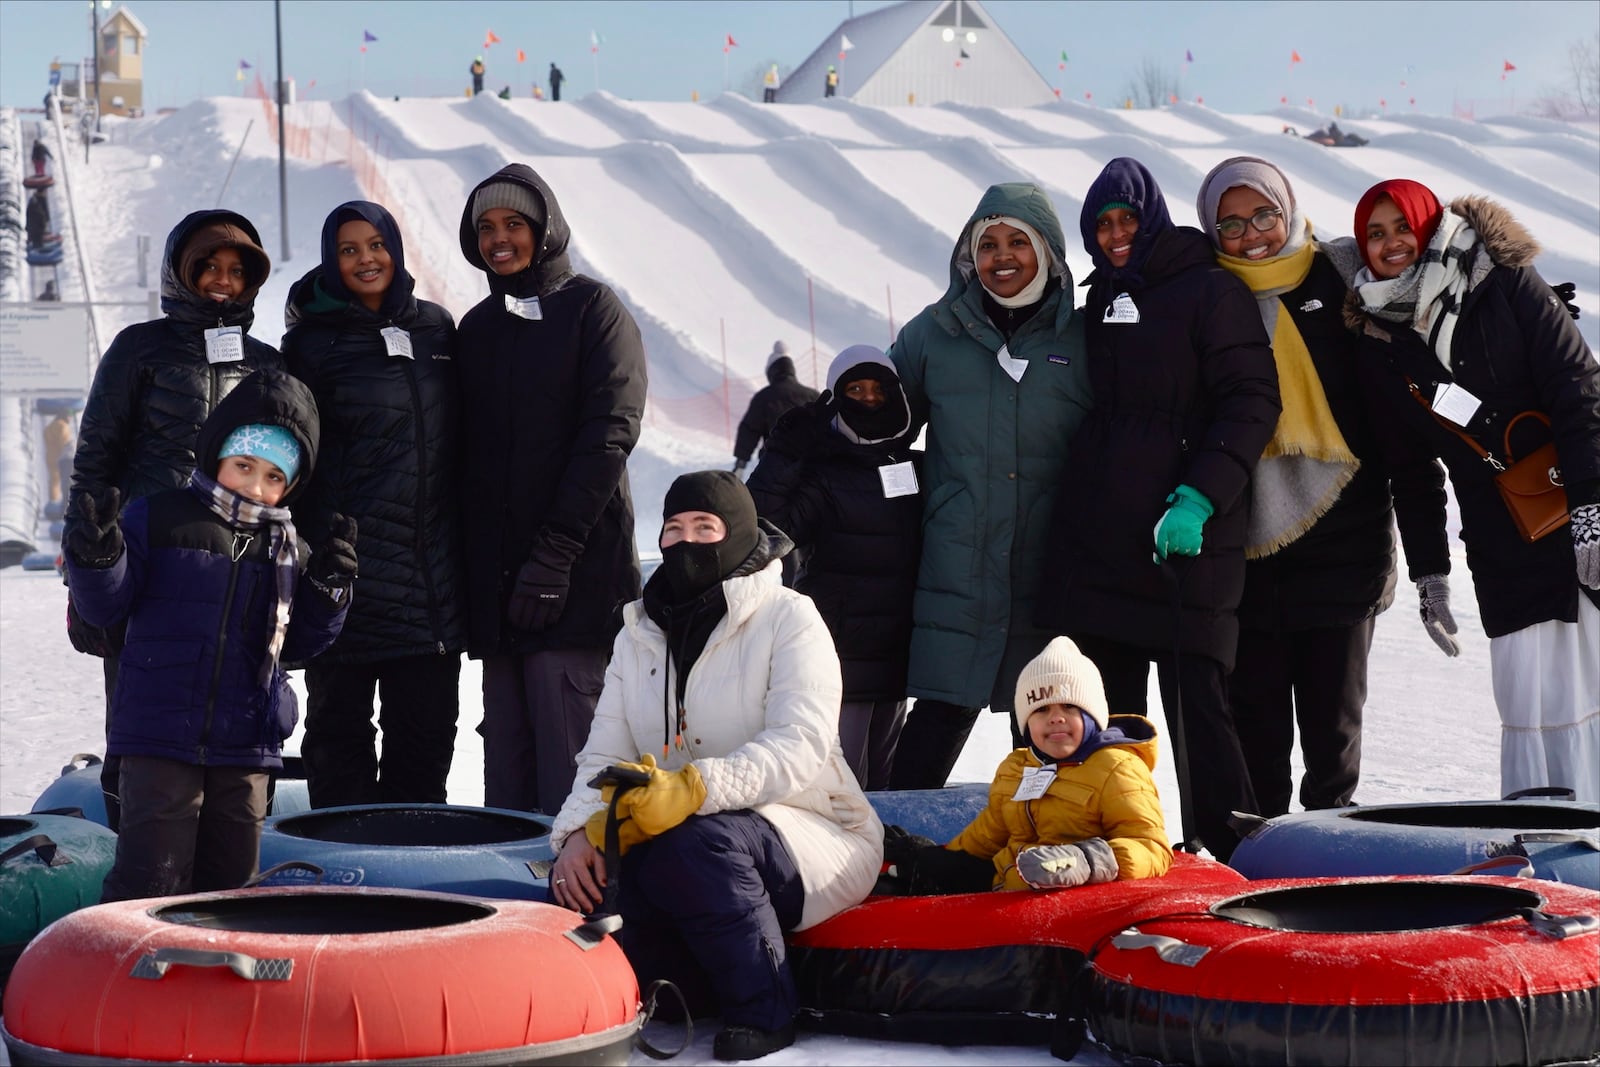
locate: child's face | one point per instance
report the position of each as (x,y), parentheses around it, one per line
(365,266)
(253,478)
(1056,729)
(505,240)
(222,276)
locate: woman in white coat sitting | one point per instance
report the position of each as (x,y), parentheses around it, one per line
(724,688)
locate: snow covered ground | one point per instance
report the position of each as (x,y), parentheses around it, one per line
(732,220)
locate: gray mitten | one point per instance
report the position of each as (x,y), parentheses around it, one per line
(1434,591)
(1064,866)
(1586,543)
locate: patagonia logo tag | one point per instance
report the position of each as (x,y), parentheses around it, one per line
(1311,305)
(1063,360)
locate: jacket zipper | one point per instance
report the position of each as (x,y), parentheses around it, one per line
(422,499)
(237,552)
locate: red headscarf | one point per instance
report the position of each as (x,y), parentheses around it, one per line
(1415,201)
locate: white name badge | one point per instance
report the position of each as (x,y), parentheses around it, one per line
(1035,782)
(225,344)
(1013,367)
(524,308)
(1455,403)
(1121,310)
(397,341)
(899,479)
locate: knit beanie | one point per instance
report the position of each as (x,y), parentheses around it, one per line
(1060,675)
(205,242)
(724,495)
(515,197)
(1030,293)
(1415,201)
(779,350)
(265,441)
(1251,173)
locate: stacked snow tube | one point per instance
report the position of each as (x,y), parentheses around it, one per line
(50,866)
(1558,839)
(975,968)
(485,852)
(1480,970)
(38,181)
(45,255)
(78,789)
(939,814)
(322,976)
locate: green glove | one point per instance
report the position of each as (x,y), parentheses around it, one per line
(1178,532)
(669,799)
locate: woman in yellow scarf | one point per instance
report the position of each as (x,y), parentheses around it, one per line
(1319,548)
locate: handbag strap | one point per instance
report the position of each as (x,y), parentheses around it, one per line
(1472,443)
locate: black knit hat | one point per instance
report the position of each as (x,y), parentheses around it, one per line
(722,494)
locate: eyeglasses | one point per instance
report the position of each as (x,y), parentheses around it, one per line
(1263,220)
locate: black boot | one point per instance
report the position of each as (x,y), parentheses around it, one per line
(751,1042)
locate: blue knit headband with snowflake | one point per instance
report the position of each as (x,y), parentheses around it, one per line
(271,443)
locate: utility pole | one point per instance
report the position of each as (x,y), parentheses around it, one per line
(94,51)
(283,169)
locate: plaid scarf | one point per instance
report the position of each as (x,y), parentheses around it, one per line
(1428,294)
(242,513)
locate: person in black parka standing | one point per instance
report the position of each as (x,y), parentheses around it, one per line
(1185,399)
(381,364)
(553,392)
(783,393)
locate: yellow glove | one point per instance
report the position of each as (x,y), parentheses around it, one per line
(628,832)
(670,798)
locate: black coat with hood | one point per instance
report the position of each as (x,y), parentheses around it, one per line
(390,437)
(551,408)
(154,387)
(1186,394)
(1516,349)
(783,393)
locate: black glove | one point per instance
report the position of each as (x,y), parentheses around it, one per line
(93,537)
(539,596)
(332,569)
(901,846)
(739,464)
(1567,293)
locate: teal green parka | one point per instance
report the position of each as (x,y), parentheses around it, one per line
(995,452)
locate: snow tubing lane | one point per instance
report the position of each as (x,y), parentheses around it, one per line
(975,968)
(485,852)
(50,866)
(312,975)
(78,789)
(1341,971)
(1559,838)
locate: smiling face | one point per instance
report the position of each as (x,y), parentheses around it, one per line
(1114,232)
(505,240)
(1391,246)
(695,527)
(1005,260)
(1242,204)
(868,392)
(364,263)
(254,478)
(1056,729)
(222,276)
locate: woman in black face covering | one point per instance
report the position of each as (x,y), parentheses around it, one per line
(724,687)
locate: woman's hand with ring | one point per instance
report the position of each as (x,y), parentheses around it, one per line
(578,879)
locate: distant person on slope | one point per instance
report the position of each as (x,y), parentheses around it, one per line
(769,85)
(556,78)
(156,385)
(553,393)
(477,70)
(38,217)
(830,83)
(41,152)
(783,392)
(382,366)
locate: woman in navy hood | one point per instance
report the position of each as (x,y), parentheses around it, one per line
(381,364)
(1185,398)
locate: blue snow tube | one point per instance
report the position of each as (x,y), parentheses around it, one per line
(484,852)
(1558,839)
(939,814)
(78,789)
(44,257)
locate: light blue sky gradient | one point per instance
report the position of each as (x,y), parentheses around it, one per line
(1354,53)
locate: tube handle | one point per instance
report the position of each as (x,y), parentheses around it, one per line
(154,965)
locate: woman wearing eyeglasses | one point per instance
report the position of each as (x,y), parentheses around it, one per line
(1319,551)
(1150,517)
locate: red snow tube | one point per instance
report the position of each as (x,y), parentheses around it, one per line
(975,968)
(38,181)
(321,976)
(1480,970)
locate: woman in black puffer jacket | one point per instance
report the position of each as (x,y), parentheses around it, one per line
(157,384)
(381,364)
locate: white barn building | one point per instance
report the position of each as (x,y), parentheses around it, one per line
(917,53)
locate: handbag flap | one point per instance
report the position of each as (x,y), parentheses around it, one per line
(1536,473)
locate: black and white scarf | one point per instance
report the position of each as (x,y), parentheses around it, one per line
(242,513)
(1428,295)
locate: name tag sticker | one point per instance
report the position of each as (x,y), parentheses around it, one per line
(1015,368)
(1035,782)
(225,344)
(1121,310)
(899,479)
(1455,403)
(397,341)
(524,308)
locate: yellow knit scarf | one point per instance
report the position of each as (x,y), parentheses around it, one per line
(1307,463)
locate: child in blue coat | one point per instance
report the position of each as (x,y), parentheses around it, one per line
(210,582)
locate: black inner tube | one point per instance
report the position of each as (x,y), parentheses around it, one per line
(1376,907)
(413,827)
(323,913)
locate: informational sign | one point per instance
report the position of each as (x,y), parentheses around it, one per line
(55,76)
(44,348)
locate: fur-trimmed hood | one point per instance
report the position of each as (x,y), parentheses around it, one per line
(1505,240)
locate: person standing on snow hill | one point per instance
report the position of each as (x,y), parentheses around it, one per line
(830,83)
(840,477)
(1185,399)
(556,78)
(156,385)
(769,85)
(995,370)
(1319,548)
(477,70)
(382,366)
(41,152)
(38,217)
(1469,336)
(751,825)
(1075,805)
(217,594)
(553,375)
(783,392)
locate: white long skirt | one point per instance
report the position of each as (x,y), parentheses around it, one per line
(1547,687)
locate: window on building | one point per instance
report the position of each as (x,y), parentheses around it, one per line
(130,45)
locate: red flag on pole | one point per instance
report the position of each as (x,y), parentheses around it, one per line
(1510,65)
(521,55)
(489,38)
(1294,57)
(731,43)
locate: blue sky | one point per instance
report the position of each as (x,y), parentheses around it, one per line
(1352,53)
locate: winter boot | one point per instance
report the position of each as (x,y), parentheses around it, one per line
(750,1042)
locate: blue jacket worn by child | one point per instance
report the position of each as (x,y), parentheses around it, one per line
(213,588)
